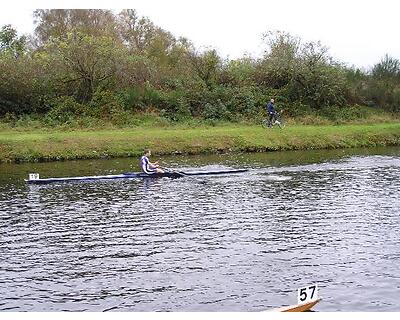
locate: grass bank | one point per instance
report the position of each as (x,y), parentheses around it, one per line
(34,146)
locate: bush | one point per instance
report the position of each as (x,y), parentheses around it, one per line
(119,116)
(174,106)
(131,99)
(395,106)
(343,115)
(64,109)
(243,102)
(297,109)
(102,104)
(216,112)
(140,98)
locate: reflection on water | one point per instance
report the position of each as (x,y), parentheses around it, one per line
(243,242)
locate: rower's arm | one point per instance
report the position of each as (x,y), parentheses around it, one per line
(153,165)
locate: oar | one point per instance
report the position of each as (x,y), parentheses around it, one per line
(172,170)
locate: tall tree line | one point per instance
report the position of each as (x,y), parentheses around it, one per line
(98,63)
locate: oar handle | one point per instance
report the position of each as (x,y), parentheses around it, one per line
(173,170)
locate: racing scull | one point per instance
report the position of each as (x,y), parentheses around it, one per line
(35,179)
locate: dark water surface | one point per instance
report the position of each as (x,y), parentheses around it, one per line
(243,242)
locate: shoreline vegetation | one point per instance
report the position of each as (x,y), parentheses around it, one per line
(89,84)
(36,145)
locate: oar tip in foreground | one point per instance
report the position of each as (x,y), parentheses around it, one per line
(298,307)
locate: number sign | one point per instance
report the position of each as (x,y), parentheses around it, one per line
(33,176)
(307,294)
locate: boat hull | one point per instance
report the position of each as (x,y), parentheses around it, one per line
(298,307)
(133,175)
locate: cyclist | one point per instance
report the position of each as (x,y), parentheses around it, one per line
(271,112)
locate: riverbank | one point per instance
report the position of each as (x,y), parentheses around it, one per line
(35,146)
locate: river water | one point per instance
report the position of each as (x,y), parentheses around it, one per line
(241,242)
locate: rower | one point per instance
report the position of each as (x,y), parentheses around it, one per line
(147,166)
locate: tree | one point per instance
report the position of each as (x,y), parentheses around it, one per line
(318,80)
(206,66)
(238,72)
(384,85)
(83,63)
(10,42)
(278,65)
(159,48)
(57,23)
(304,72)
(23,85)
(137,33)
(387,69)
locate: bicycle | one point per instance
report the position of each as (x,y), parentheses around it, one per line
(277,120)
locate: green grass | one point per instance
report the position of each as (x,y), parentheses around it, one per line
(34,145)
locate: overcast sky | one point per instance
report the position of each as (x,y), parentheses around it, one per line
(356,32)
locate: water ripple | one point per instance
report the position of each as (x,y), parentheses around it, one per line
(229,243)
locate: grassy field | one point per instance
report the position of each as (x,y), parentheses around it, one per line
(33,146)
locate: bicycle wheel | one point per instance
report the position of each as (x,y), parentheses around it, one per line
(265,123)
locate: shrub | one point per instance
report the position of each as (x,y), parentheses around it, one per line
(298,109)
(174,106)
(64,109)
(102,104)
(342,115)
(140,98)
(216,112)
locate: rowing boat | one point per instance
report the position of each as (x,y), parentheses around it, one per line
(298,307)
(34,178)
